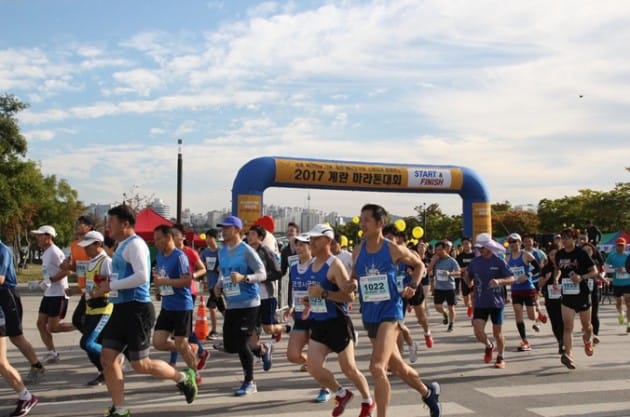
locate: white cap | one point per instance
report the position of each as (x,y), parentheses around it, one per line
(91,237)
(321,230)
(45,230)
(515,236)
(303,237)
(484,240)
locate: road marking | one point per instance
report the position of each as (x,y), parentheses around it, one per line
(583,409)
(555,388)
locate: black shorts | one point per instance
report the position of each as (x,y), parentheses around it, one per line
(54,306)
(526,298)
(579,302)
(12,307)
(372,328)
(425,280)
(215,302)
(301,325)
(440,296)
(466,290)
(620,290)
(177,322)
(238,326)
(495,314)
(267,314)
(335,333)
(130,326)
(417,298)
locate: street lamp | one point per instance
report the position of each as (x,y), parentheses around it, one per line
(424,218)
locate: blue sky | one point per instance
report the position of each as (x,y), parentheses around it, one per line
(491,85)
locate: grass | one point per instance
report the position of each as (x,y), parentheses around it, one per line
(32,273)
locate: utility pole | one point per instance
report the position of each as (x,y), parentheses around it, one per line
(179,180)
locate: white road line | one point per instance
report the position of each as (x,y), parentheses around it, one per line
(583,409)
(555,388)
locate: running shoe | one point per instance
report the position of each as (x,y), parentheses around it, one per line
(595,339)
(277,337)
(432,400)
(542,318)
(628,329)
(198,379)
(213,336)
(203,357)
(35,375)
(189,386)
(218,346)
(487,356)
(266,357)
(524,347)
(304,368)
(536,327)
(428,340)
(100,378)
(413,352)
(444,318)
(323,396)
(367,409)
(500,363)
(51,357)
(621,319)
(469,311)
(341,403)
(450,327)
(24,407)
(567,361)
(248,387)
(112,412)
(588,348)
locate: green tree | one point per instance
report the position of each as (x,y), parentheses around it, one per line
(507,219)
(27,197)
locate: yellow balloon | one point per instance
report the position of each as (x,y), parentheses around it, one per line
(344,241)
(506,243)
(400,225)
(202,236)
(355,220)
(350,242)
(360,233)
(417,232)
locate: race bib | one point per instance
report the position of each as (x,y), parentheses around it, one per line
(293,259)
(569,287)
(400,278)
(591,284)
(113,278)
(230,289)
(82,267)
(298,296)
(374,288)
(211,263)
(166,290)
(441,275)
(554,293)
(89,286)
(622,275)
(318,305)
(517,271)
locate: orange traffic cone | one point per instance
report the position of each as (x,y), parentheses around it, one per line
(201,322)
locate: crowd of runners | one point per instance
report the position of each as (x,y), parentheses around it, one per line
(389,277)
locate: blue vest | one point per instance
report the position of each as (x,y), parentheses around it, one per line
(234,260)
(519,263)
(124,270)
(378,264)
(320,277)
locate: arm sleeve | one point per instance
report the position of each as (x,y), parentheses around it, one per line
(256,265)
(272,266)
(284,261)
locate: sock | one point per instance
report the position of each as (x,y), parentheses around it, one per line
(25,395)
(53,352)
(37,365)
(341,392)
(521,330)
(182,377)
(120,410)
(368,400)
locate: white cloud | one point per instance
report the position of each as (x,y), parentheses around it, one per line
(141,81)
(39,135)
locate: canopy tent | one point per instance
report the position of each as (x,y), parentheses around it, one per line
(148,219)
(608,241)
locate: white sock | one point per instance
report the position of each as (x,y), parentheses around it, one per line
(25,395)
(368,400)
(182,377)
(341,392)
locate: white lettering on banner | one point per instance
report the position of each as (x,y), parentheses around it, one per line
(429,178)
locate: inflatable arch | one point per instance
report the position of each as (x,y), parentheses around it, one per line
(264,172)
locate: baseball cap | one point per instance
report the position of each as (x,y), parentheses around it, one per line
(45,230)
(620,241)
(91,237)
(321,230)
(231,221)
(514,236)
(482,240)
(302,237)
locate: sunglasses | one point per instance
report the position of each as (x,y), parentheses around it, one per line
(512,241)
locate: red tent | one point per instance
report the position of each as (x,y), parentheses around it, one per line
(146,221)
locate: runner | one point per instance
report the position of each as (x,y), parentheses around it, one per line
(490,275)
(550,286)
(375,267)
(576,267)
(133,316)
(444,270)
(329,292)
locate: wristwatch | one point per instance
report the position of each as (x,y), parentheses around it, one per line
(413,285)
(246,279)
(324,294)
